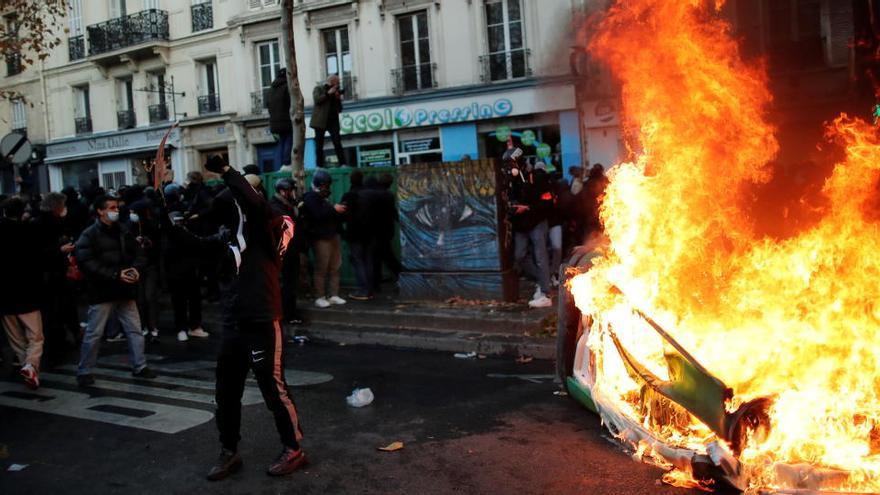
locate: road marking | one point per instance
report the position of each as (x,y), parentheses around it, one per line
(527,378)
(250,397)
(138,413)
(161,418)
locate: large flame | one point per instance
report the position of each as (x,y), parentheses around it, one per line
(796,318)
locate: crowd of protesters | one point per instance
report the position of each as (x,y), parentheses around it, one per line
(108,250)
(549,215)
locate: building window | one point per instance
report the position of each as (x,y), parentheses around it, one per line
(125,116)
(19,115)
(506,58)
(202,15)
(151,4)
(269,61)
(13,56)
(82,110)
(209,101)
(158,108)
(256,4)
(789,33)
(76,41)
(117,8)
(416,70)
(337,58)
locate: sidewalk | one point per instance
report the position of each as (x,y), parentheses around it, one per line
(482,327)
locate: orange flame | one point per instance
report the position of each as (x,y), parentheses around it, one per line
(798,318)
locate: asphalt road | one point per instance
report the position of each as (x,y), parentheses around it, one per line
(468,426)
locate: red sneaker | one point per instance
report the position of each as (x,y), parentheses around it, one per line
(31,379)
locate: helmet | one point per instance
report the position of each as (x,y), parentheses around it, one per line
(322,178)
(285,185)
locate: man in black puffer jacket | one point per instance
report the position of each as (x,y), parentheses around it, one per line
(111,259)
(251,297)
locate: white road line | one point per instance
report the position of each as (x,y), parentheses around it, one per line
(250,397)
(162,418)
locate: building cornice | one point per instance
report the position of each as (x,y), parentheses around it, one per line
(255,17)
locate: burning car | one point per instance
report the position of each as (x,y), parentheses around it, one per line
(706,345)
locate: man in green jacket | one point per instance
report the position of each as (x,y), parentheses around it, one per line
(325,118)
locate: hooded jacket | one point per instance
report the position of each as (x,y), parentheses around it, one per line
(279,107)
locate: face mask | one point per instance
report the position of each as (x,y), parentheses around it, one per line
(113,216)
(64,213)
(134,218)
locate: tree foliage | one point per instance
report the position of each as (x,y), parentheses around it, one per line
(31,30)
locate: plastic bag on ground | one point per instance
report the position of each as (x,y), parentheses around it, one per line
(360,397)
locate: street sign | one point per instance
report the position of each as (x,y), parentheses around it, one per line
(16,148)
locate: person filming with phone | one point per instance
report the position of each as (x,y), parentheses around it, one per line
(325,118)
(111,258)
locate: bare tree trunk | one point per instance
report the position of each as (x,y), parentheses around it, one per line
(297,105)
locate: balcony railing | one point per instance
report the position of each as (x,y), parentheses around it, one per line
(126,119)
(158,113)
(414,78)
(83,125)
(130,30)
(502,66)
(209,104)
(202,16)
(76,47)
(13,64)
(260,101)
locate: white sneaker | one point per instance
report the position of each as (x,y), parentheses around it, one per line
(554,281)
(30,376)
(181,336)
(322,302)
(541,302)
(336,300)
(145,332)
(154,332)
(537,294)
(198,332)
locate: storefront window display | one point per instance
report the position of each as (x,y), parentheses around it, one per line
(81,175)
(537,143)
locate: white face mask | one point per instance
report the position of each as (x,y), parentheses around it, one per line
(134,218)
(113,216)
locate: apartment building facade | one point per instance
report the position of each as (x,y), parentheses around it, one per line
(425,80)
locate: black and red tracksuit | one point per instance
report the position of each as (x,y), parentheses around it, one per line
(251,298)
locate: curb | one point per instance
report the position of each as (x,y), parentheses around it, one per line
(435,340)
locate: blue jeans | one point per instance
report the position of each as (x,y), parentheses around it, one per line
(282,149)
(127,313)
(538,268)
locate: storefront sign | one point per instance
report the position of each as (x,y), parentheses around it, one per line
(419,145)
(443,111)
(375,158)
(116,144)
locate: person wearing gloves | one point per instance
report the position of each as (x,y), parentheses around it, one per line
(252,338)
(111,259)
(324,224)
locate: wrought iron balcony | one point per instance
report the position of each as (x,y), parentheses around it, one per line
(126,119)
(260,101)
(209,104)
(414,78)
(76,47)
(13,64)
(502,66)
(83,125)
(126,31)
(202,16)
(158,113)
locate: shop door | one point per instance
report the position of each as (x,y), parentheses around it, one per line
(266,158)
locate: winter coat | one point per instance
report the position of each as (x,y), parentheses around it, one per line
(279,107)
(102,252)
(253,293)
(21,264)
(322,220)
(325,114)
